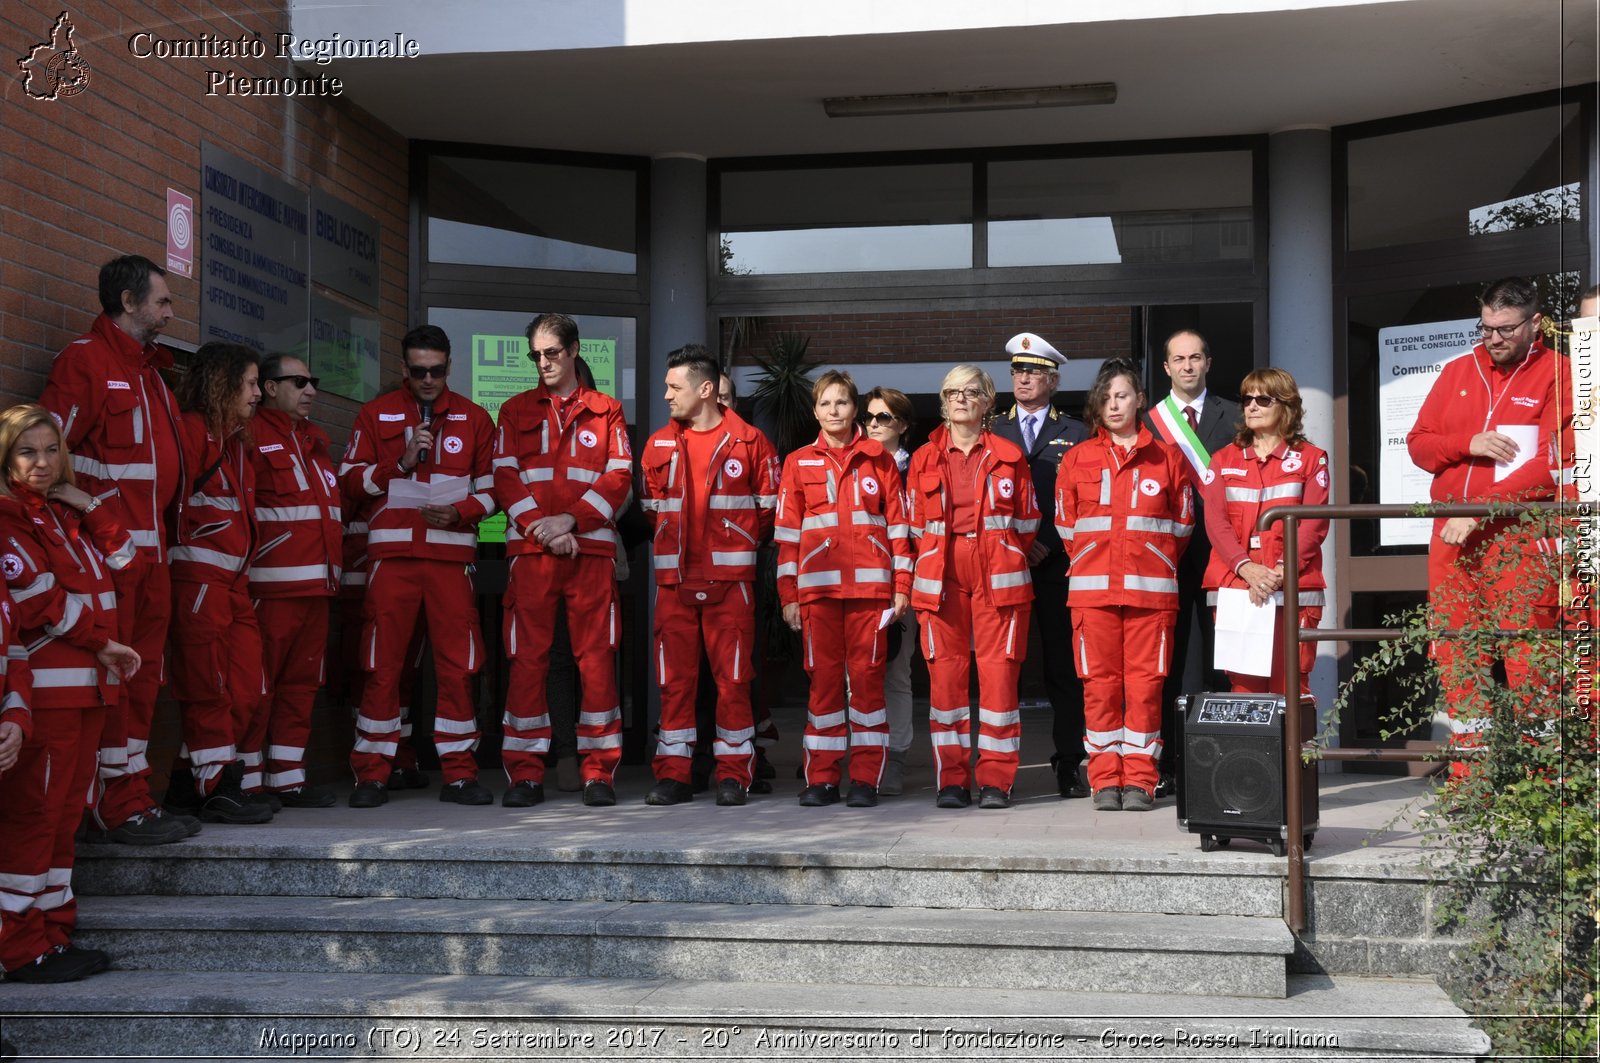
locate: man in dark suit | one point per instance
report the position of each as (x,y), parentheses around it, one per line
(1199,424)
(1044,434)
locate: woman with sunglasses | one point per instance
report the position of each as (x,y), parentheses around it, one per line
(1125,513)
(216,642)
(1269,463)
(60,548)
(844,574)
(890,419)
(975,518)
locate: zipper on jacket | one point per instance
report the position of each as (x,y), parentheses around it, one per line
(807,559)
(1165,560)
(731,526)
(873,539)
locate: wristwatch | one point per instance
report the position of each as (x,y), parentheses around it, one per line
(94,504)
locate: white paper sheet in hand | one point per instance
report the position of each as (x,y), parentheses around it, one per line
(1244,633)
(1527,440)
(410,494)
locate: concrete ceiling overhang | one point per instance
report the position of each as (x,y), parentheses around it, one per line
(1217,74)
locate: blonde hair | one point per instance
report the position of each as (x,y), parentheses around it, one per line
(960,377)
(24,418)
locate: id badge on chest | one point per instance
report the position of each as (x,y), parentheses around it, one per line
(1255,542)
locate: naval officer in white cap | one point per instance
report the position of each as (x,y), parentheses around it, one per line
(1045,434)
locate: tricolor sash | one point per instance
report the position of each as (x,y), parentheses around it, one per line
(1168,416)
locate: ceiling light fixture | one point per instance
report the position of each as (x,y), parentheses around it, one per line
(1099,92)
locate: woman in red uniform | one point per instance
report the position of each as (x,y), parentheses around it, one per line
(1125,512)
(216,643)
(844,560)
(59,548)
(1269,463)
(974,515)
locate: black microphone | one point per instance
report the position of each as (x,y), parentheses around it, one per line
(427,419)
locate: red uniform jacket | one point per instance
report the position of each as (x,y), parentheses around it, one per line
(842,533)
(214,531)
(58,568)
(120,422)
(1125,519)
(463,438)
(1239,487)
(297,510)
(16,681)
(543,469)
(1008,519)
(741,489)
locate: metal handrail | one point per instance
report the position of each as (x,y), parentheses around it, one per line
(1293,635)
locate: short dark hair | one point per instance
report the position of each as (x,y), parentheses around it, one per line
(272,364)
(698,360)
(1110,369)
(424,338)
(1511,293)
(898,402)
(1205,348)
(131,274)
(733,385)
(565,328)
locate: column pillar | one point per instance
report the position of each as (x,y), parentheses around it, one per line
(677,270)
(1301,317)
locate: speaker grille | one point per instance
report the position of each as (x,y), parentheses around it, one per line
(1234,779)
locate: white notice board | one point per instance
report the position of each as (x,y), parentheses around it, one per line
(1409,360)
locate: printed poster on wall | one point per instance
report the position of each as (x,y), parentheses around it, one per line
(253,230)
(1409,360)
(501,368)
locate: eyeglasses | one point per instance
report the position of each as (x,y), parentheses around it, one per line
(549,354)
(970,394)
(1505,331)
(1029,370)
(297,380)
(423,372)
(881,419)
(1266,402)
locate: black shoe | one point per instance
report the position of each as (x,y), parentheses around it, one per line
(150,827)
(673,792)
(599,794)
(407,779)
(55,966)
(819,795)
(993,797)
(953,797)
(181,799)
(369,794)
(265,797)
(523,795)
(729,792)
(764,768)
(1069,777)
(862,795)
(307,797)
(97,959)
(1137,799)
(466,792)
(1108,799)
(1167,786)
(759,785)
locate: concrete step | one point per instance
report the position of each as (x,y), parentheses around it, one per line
(199,1016)
(1074,951)
(730,867)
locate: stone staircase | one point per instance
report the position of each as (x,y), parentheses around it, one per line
(771,932)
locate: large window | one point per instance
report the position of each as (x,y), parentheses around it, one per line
(1190,207)
(1511,171)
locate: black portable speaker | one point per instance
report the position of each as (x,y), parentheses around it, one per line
(1231,769)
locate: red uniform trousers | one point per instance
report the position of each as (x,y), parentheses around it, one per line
(1310,616)
(351,603)
(42,799)
(1122,653)
(968,621)
(726,628)
(216,678)
(842,641)
(400,590)
(294,638)
(1523,596)
(144,610)
(587,586)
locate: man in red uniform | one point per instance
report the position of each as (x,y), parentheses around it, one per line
(296,569)
(120,421)
(420,442)
(1485,433)
(710,485)
(563,470)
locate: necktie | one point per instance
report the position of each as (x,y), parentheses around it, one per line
(1027,434)
(1194,423)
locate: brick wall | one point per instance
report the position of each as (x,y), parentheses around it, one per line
(952,335)
(84,178)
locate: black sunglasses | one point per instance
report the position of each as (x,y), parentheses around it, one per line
(880,418)
(1266,402)
(297,380)
(423,372)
